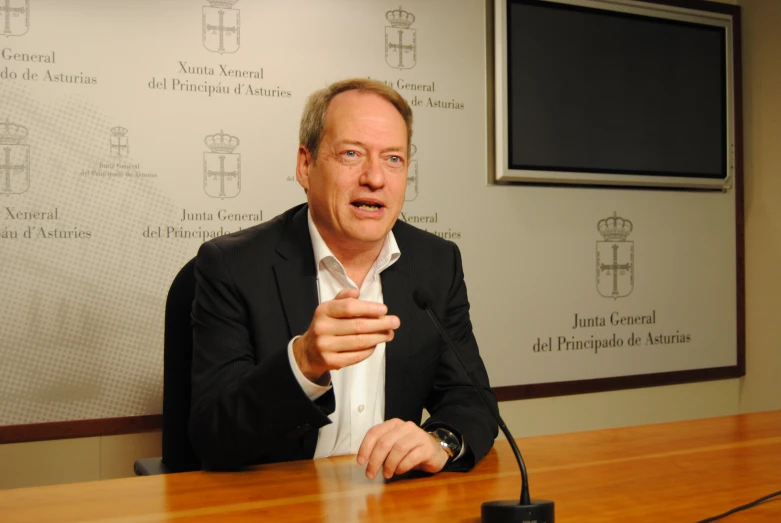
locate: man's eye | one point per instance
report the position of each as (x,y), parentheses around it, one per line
(350,154)
(395,159)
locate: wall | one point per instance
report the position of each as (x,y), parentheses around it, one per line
(74,460)
(106,457)
(761,390)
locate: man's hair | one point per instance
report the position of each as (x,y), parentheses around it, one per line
(312,127)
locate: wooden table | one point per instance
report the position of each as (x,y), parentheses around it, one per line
(677,472)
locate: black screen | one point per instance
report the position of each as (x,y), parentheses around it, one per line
(597,91)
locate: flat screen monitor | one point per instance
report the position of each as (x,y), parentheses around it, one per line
(612,93)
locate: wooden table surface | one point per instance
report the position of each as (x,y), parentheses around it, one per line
(684,471)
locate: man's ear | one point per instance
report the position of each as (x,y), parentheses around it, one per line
(303,163)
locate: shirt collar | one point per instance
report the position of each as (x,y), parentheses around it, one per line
(388,254)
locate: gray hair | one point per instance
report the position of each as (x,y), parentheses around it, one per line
(313,118)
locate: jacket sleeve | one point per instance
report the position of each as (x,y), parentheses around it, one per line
(453,402)
(247,406)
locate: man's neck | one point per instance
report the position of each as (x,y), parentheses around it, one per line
(356,258)
(357,261)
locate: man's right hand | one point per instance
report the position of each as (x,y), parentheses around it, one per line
(343,332)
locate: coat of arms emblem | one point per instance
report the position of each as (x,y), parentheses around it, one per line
(15,17)
(221,27)
(412,176)
(119,142)
(222,167)
(401,49)
(615,258)
(14,159)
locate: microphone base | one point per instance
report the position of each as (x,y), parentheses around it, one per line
(540,511)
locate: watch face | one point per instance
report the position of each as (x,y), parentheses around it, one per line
(448,440)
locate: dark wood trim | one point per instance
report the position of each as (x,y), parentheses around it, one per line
(80,428)
(566,388)
(740,244)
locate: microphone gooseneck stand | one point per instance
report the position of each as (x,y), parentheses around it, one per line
(526,510)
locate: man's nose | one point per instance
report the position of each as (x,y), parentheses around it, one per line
(373,174)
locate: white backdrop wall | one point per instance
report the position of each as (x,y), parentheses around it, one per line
(111,109)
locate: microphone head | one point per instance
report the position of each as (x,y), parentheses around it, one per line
(422,298)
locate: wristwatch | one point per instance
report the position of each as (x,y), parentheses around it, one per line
(449,442)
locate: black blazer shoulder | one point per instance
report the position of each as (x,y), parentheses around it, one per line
(286,234)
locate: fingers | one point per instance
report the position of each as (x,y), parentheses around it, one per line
(318,351)
(357,326)
(372,437)
(347,315)
(348,324)
(337,344)
(347,305)
(397,447)
(409,449)
(417,458)
(344,331)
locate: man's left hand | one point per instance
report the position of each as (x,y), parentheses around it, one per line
(397,447)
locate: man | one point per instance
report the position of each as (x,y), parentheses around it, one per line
(306,339)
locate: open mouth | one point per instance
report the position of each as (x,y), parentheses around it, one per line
(366,205)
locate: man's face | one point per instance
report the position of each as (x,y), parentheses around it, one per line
(356,187)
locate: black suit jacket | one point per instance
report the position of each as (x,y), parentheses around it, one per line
(256,289)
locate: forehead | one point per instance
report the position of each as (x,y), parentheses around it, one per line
(364,112)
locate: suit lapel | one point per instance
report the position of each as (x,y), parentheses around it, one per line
(397,294)
(296,275)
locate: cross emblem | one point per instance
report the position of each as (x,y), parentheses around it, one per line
(401,47)
(222,30)
(9,169)
(222,174)
(7,11)
(118,146)
(615,267)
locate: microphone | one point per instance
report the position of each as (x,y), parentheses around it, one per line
(508,511)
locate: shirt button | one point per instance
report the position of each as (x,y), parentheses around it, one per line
(360,408)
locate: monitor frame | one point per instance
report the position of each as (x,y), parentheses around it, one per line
(503,174)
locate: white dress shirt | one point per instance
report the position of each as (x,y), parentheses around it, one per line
(360,388)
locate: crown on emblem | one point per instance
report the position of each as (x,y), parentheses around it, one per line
(11,133)
(412,150)
(221,142)
(615,228)
(118,131)
(227,4)
(400,18)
